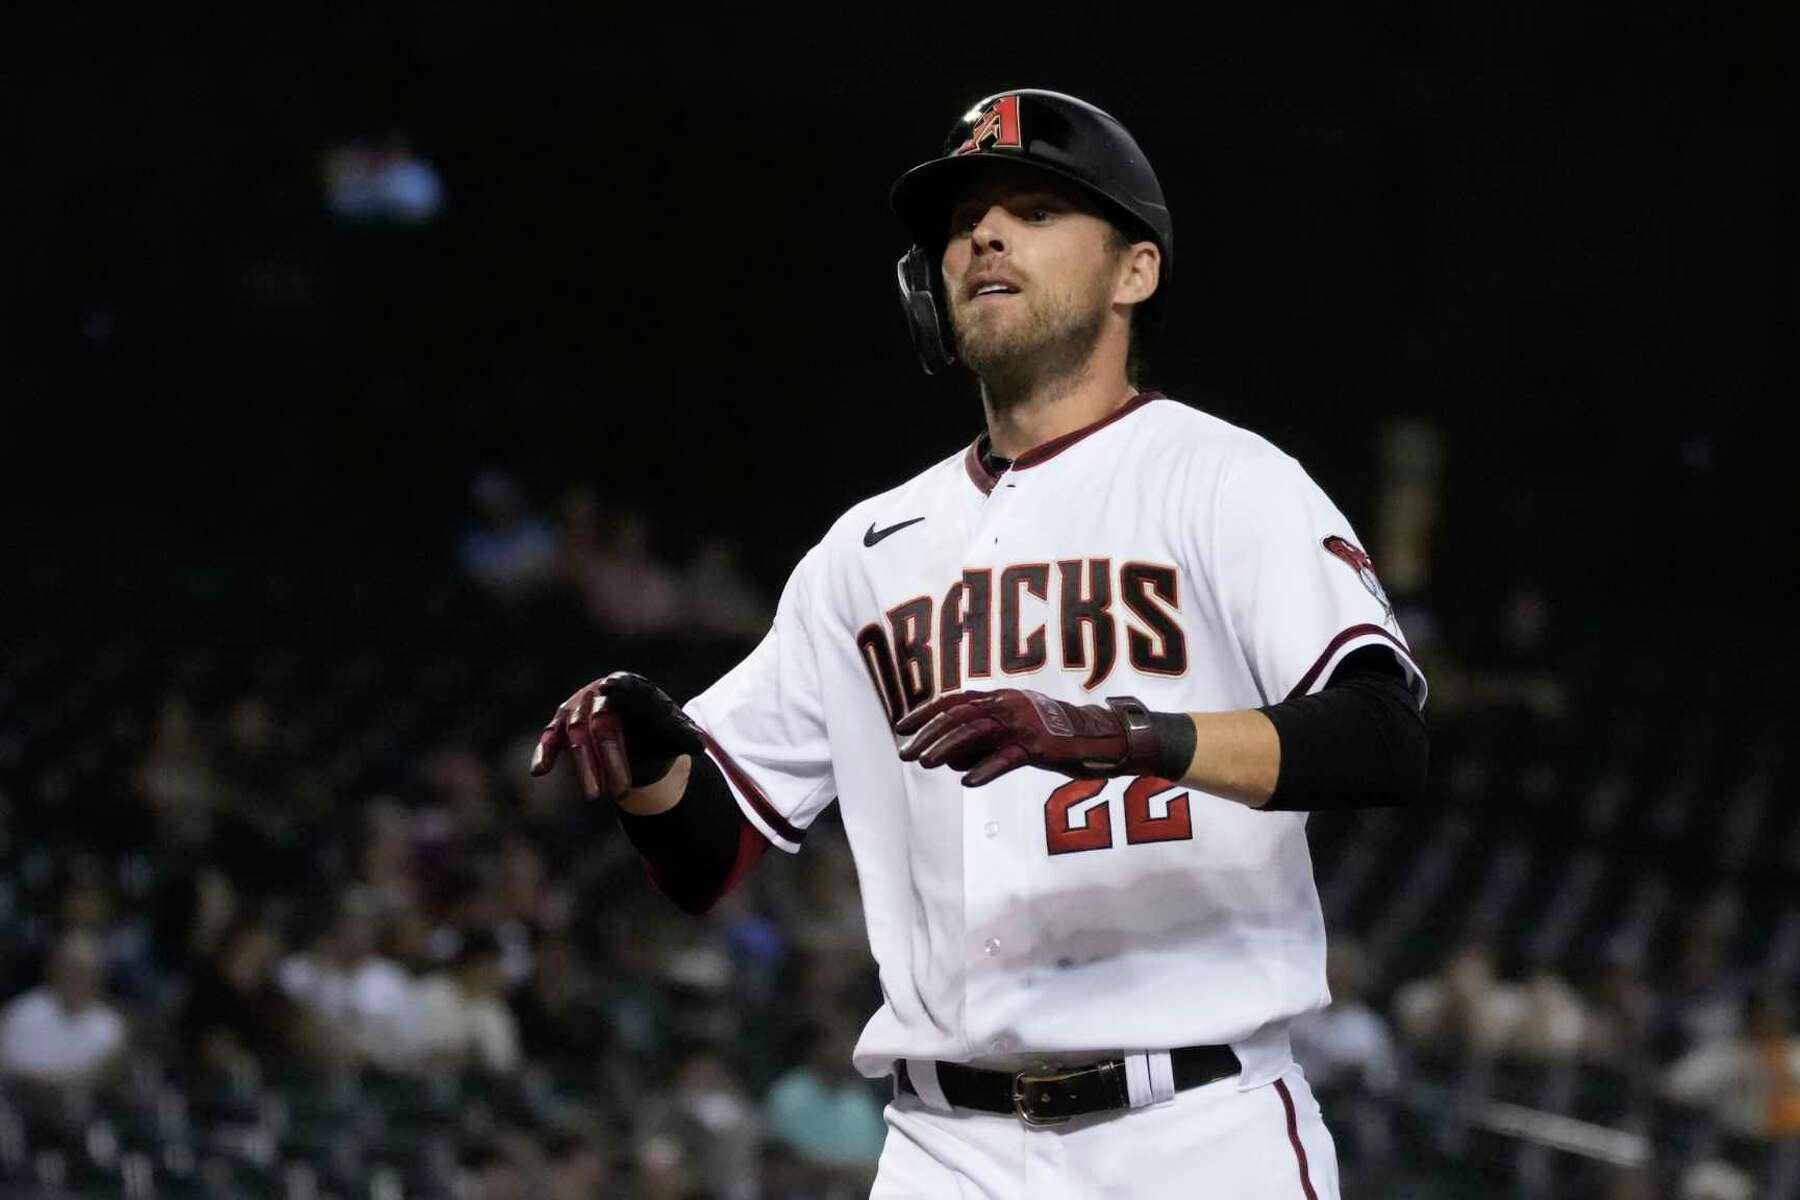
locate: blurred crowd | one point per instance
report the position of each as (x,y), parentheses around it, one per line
(292,919)
(604,556)
(1712,1059)
(454,944)
(284,914)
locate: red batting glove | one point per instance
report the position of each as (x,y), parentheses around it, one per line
(622,731)
(592,736)
(987,734)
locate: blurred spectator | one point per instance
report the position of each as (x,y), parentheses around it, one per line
(607,557)
(708,1116)
(385,864)
(490,1173)
(237,1022)
(630,943)
(523,888)
(467,901)
(1525,624)
(667,1167)
(1409,506)
(756,942)
(1632,1183)
(561,1023)
(825,910)
(381,182)
(460,1017)
(404,938)
(62,1033)
(252,825)
(176,776)
(1750,1083)
(460,788)
(193,913)
(1619,1015)
(1703,1004)
(1552,1021)
(478,884)
(700,1001)
(511,551)
(253,762)
(525,906)
(1461,1010)
(86,906)
(577,1167)
(362,1000)
(1715,1180)
(1348,1045)
(721,599)
(826,1113)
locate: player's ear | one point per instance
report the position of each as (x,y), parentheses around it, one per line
(1140,270)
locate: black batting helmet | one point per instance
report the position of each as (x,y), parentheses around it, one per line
(1047,131)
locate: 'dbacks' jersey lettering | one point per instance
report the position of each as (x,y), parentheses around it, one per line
(1161,553)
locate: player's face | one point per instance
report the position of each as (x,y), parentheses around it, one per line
(1030,273)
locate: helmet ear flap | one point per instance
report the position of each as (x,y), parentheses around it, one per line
(920,299)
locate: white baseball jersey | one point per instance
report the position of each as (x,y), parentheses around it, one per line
(1160,553)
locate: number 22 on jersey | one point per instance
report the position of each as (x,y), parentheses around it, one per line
(1078,815)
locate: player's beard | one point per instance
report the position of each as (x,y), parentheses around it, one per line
(1018,354)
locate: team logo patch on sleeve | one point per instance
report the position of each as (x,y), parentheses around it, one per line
(1359,561)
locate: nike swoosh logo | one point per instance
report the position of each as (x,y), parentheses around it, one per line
(875,535)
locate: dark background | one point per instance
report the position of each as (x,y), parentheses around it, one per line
(664,266)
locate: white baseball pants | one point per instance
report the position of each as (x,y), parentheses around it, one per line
(1212,1142)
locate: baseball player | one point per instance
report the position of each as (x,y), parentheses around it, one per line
(1074,690)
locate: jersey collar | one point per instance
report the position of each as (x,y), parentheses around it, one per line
(984,479)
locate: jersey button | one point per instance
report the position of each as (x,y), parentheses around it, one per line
(992,829)
(1001,1045)
(992,947)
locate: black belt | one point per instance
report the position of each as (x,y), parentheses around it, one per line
(1052,1097)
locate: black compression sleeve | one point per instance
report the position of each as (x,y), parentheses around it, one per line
(1358,743)
(693,849)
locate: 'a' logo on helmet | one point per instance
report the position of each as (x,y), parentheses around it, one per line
(999,123)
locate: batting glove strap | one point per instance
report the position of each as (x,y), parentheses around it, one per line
(1140,733)
(1156,743)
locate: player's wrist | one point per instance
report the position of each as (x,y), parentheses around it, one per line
(1156,743)
(662,795)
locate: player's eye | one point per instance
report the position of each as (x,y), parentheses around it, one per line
(962,222)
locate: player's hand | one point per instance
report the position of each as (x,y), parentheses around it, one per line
(988,734)
(623,732)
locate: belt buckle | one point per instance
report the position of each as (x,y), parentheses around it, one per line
(1021,1097)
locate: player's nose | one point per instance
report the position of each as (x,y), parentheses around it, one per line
(988,234)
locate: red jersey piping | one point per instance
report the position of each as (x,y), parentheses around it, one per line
(981,478)
(751,792)
(1355,631)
